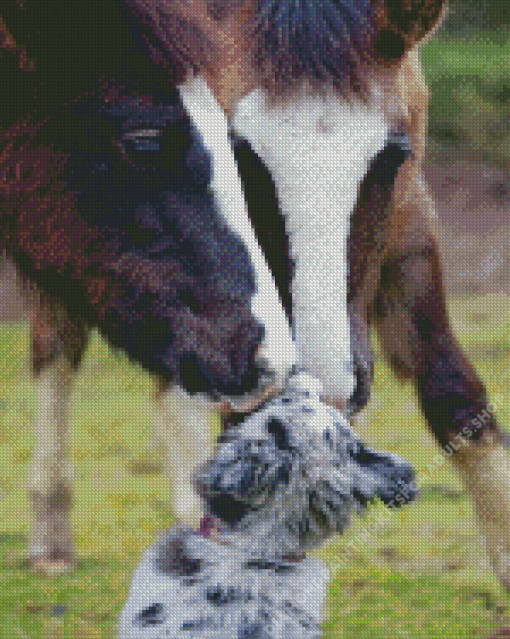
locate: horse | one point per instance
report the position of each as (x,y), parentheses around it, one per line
(228,191)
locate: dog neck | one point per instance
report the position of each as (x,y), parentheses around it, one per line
(213,528)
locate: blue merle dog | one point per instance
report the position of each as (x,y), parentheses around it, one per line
(279,483)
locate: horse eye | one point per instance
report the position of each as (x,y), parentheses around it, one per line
(143,139)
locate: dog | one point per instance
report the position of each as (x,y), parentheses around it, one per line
(321,101)
(280,483)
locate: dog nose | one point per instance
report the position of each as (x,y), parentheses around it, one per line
(385,475)
(401,483)
(151,616)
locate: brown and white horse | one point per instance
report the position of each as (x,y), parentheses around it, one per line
(176,123)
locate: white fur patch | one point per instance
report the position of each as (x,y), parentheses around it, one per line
(278,347)
(287,597)
(317,150)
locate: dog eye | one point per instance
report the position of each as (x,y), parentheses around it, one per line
(151,616)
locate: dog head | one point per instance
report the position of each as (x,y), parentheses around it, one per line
(292,472)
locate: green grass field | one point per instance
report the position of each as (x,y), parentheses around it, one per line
(421,573)
(470,83)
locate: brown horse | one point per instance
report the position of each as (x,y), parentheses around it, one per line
(326,105)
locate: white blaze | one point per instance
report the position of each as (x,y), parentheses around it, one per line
(211,122)
(317,149)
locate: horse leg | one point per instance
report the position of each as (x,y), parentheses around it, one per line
(412,321)
(187,442)
(57,346)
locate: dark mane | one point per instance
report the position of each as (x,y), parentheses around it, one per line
(321,42)
(52,51)
(331,42)
(293,40)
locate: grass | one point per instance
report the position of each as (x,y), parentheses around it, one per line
(420,574)
(470,83)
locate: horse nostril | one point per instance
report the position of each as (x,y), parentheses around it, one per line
(359,399)
(266,371)
(194,376)
(260,362)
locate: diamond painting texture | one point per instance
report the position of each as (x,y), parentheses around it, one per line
(180,182)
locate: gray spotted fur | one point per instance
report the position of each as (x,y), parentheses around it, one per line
(279,483)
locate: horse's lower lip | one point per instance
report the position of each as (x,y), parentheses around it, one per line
(251,402)
(270,384)
(244,404)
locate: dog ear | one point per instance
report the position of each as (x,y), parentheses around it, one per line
(401,24)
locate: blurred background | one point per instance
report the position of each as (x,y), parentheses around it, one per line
(468,163)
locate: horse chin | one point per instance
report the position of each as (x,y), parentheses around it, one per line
(248,403)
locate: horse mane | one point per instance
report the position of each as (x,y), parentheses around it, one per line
(52,52)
